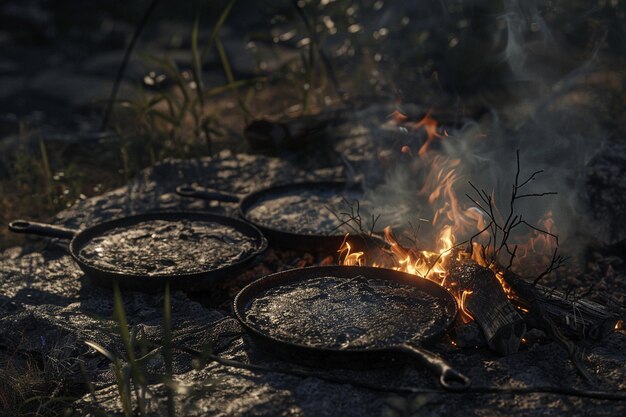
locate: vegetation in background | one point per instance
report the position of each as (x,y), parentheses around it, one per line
(346,52)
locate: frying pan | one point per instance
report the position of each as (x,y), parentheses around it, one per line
(345,315)
(286,238)
(191,281)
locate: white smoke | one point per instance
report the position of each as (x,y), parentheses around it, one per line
(552,132)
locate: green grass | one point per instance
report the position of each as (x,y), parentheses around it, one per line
(187,119)
(129,365)
(43,178)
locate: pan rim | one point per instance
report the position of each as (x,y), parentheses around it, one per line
(239,309)
(150,215)
(248,201)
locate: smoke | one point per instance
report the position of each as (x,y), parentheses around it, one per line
(547,120)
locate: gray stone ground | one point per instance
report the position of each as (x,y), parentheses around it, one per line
(48,309)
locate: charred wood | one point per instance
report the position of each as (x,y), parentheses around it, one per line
(576,317)
(486,301)
(538,314)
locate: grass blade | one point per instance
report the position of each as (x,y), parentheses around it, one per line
(231,78)
(101,350)
(166,117)
(230,86)
(90,387)
(120,315)
(215,31)
(167,348)
(125,58)
(196,62)
(47,172)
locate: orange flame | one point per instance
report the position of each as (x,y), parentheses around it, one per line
(451,219)
(348,257)
(467,316)
(430,126)
(427,123)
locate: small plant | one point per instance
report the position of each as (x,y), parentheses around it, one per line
(130,370)
(176,120)
(130,365)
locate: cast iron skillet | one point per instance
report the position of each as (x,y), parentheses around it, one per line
(314,309)
(194,281)
(285,238)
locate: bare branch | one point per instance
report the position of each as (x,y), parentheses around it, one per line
(532,177)
(556,262)
(545,232)
(536,194)
(501,229)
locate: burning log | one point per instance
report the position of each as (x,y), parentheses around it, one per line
(575,316)
(484,299)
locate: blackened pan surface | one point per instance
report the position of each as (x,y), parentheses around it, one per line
(303,208)
(360,313)
(308,216)
(160,246)
(192,251)
(345,308)
(202,277)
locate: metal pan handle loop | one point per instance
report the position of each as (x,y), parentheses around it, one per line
(449,378)
(41,229)
(205,194)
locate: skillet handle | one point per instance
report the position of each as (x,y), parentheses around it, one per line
(41,229)
(449,378)
(205,193)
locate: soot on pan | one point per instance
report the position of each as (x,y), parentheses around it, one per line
(340,313)
(160,247)
(304,211)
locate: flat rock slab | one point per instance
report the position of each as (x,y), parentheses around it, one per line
(48,309)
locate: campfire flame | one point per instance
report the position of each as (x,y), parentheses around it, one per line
(450,217)
(423,263)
